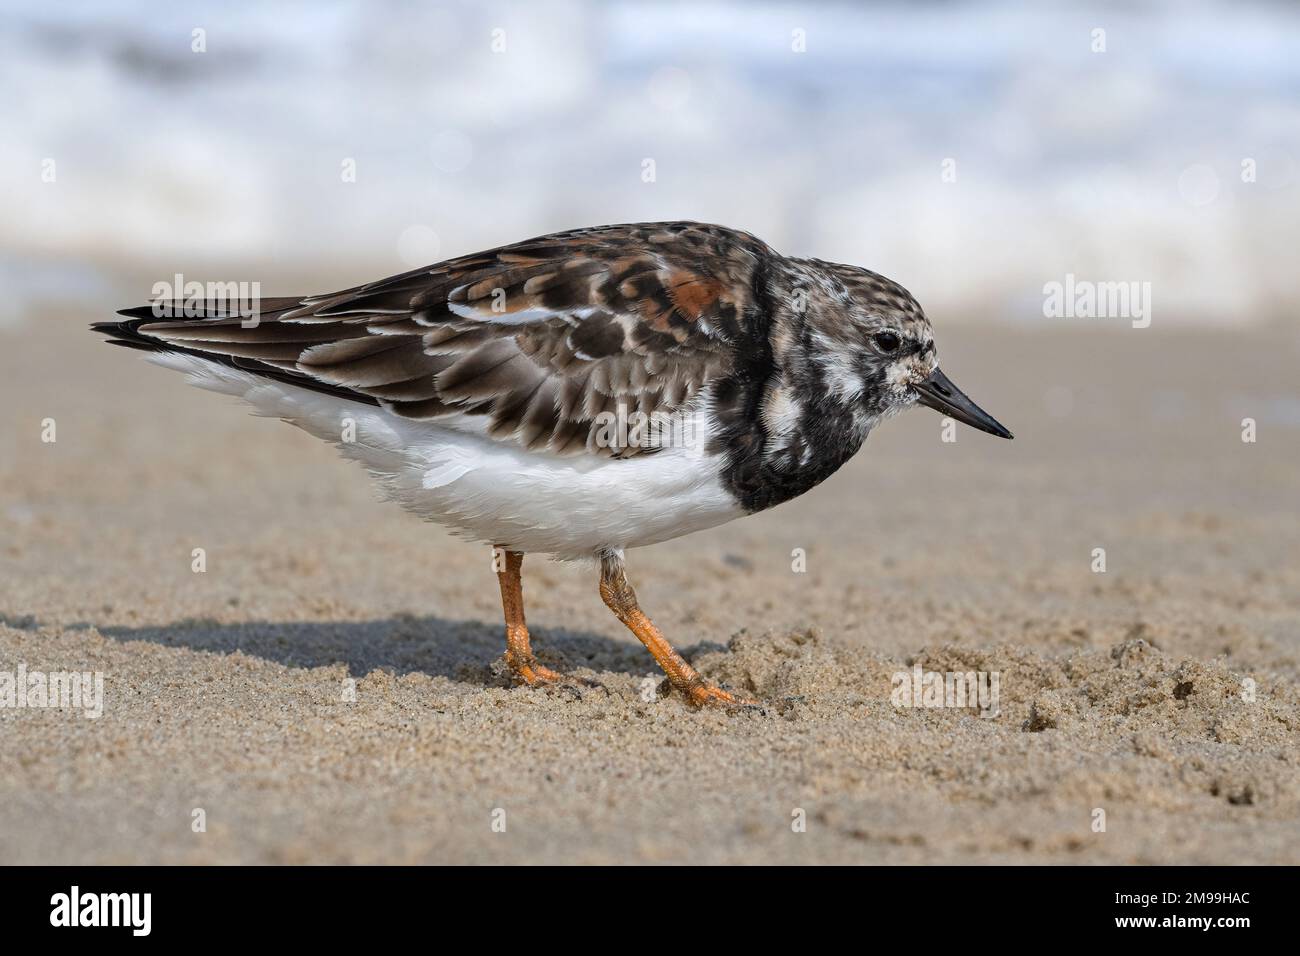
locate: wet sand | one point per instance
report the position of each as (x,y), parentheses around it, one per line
(1161,692)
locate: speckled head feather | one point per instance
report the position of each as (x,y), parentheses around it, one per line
(872,338)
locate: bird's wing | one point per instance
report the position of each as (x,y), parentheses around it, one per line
(540,337)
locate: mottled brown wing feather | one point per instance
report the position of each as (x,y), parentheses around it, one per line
(541,336)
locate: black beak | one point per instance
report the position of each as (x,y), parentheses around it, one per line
(939,393)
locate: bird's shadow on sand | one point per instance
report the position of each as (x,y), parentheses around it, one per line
(462,650)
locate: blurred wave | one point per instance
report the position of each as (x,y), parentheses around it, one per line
(470,125)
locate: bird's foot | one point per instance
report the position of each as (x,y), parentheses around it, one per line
(526,670)
(700,693)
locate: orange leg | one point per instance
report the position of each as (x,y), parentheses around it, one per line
(519,651)
(621,599)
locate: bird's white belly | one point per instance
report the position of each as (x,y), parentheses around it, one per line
(494,491)
(569,506)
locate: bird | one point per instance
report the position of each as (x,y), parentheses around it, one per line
(579,394)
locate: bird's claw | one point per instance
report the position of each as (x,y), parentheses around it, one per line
(533,674)
(703,694)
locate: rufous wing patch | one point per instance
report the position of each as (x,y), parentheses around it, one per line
(693,295)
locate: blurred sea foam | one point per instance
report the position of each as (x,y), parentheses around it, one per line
(228,164)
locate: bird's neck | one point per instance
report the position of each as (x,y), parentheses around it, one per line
(788,421)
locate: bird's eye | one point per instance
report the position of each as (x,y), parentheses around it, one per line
(888,341)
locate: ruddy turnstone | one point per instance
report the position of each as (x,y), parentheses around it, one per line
(580,393)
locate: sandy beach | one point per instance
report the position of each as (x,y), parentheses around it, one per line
(329,689)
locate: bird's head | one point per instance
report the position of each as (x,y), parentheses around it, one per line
(873,344)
